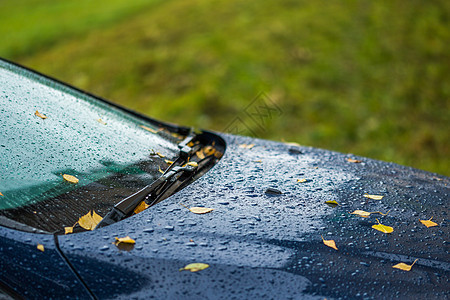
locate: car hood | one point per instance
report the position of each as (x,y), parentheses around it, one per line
(265,235)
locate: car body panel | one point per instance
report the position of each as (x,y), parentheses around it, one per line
(269,245)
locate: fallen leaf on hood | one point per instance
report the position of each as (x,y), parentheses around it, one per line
(169,162)
(141,207)
(148,129)
(40,247)
(160,171)
(373,197)
(428,223)
(365,214)
(192,164)
(68,230)
(329,243)
(302,180)
(332,203)
(404,267)
(200,210)
(126,240)
(382,228)
(89,220)
(353,160)
(195,267)
(247,146)
(101,121)
(70,178)
(200,154)
(42,116)
(209,150)
(160,155)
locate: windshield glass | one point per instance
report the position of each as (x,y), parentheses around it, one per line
(48,130)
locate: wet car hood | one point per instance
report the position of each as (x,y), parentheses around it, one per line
(264,244)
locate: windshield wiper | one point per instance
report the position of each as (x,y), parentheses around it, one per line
(174,176)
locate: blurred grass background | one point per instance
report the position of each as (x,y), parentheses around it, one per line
(365,77)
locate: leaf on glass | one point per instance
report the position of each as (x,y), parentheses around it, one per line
(332,203)
(195,267)
(373,197)
(329,243)
(1,194)
(141,207)
(200,210)
(428,223)
(148,129)
(302,180)
(89,220)
(125,240)
(404,267)
(40,247)
(247,146)
(70,178)
(101,121)
(42,116)
(356,161)
(382,228)
(365,214)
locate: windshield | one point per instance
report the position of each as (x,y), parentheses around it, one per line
(49,131)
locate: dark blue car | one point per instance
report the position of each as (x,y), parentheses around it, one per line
(97,201)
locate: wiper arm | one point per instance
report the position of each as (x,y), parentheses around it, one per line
(126,207)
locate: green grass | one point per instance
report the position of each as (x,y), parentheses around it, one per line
(370,78)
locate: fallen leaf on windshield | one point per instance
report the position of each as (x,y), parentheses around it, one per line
(332,203)
(70,178)
(329,243)
(101,121)
(42,116)
(353,160)
(428,223)
(365,214)
(89,220)
(126,240)
(247,146)
(404,267)
(373,197)
(200,154)
(382,228)
(195,267)
(209,150)
(148,129)
(302,180)
(141,207)
(40,247)
(68,230)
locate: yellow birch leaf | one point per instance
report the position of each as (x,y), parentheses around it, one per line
(247,146)
(1,194)
(169,162)
(101,121)
(195,267)
(302,180)
(428,223)
(126,240)
(329,243)
(160,171)
(89,220)
(332,203)
(192,164)
(382,228)
(40,247)
(42,116)
(70,178)
(160,155)
(353,160)
(404,267)
(200,154)
(68,230)
(361,213)
(148,129)
(141,207)
(200,210)
(209,150)
(373,197)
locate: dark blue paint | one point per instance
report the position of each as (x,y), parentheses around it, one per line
(261,245)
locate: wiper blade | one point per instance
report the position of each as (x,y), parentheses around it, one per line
(126,207)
